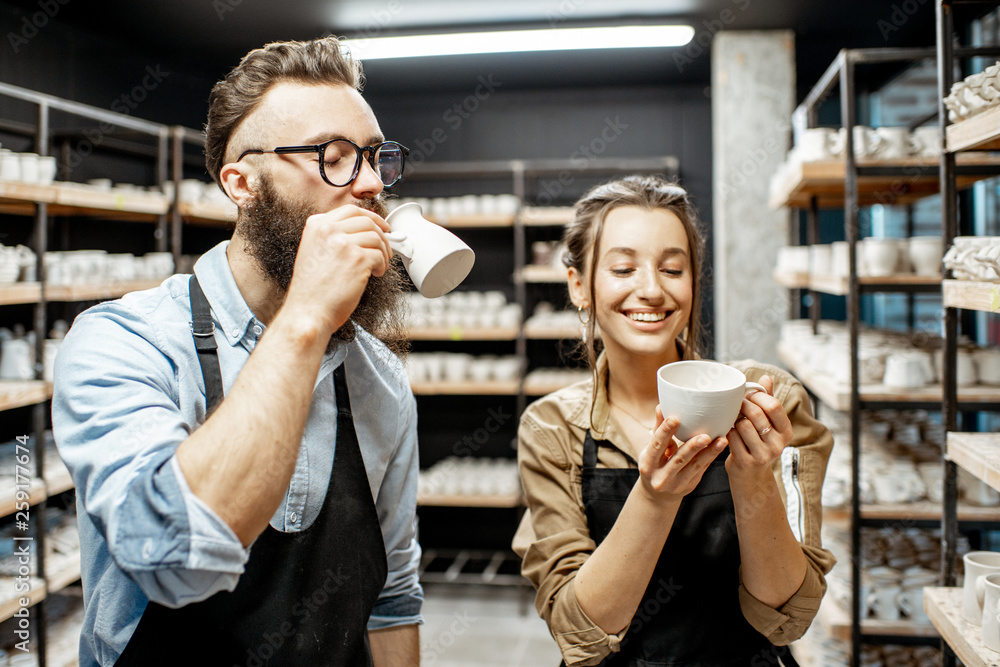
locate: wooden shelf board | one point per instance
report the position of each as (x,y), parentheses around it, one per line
(98,291)
(837,622)
(19,393)
(449,500)
(978,453)
(10,605)
(215,215)
(491,388)
(472,221)
(791,280)
(463,333)
(824,179)
(543,274)
(535,332)
(57,479)
(919,511)
(66,572)
(979,132)
(840,285)
(36,494)
(546,215)
(971,295)
(838,395)
(15,293)
(944,607)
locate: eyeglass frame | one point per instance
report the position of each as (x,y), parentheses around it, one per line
(320,150)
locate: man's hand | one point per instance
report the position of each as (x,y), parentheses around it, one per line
(395,647)
(339,252)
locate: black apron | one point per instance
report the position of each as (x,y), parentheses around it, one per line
(690,613)
(305,597)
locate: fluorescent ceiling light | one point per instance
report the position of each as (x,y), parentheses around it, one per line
(516,41)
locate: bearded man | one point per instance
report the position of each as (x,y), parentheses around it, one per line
(243,440)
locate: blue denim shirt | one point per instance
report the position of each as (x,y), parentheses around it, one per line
(129,390)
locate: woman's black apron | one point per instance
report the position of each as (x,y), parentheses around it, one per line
(690,613)
(305,597)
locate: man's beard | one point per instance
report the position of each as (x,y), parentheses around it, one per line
(271,228)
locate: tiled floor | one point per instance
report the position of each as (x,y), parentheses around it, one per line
(483,626)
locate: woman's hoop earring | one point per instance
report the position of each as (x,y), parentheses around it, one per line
(582,315)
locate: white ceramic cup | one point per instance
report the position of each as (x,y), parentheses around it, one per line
(991,612)
(987,365)
(925,255)
(881,255)
(816,143)
(906,370)
(977,565)
(705,396)
(925,141)
(436,260)
(895,142)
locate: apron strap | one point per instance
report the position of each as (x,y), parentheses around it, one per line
(589,451)
(203,330)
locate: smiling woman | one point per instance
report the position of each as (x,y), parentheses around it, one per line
(627,574)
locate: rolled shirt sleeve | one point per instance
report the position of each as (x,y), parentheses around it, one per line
(117,424)
(554,496)
(799,473)
(402,596)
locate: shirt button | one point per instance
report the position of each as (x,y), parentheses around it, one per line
(147,549)
(293,517)
(235,333)
(257,330)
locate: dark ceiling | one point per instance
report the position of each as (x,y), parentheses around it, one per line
(207,37)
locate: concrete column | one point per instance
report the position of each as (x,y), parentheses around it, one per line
(753,95)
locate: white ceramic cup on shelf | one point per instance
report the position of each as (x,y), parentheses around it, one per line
(978,564)
(991,612)
(436,260)
(924,253)
(881,255)
(925,141)
(705,396)
(816,143)
(895,142)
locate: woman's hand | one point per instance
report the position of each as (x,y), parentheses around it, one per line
(668,472)
(760,434)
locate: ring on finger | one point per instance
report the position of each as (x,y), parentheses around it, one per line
(765,431)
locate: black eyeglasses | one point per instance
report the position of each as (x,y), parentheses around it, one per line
(340,159)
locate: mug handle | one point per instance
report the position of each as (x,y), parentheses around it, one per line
(400,243)
(981,589)
(753,387)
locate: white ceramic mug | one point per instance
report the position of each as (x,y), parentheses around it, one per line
(991,612)
(977,565)
(895,142)
(436,260)
(925,141)
(816,143)
(881,255)
(925,255)
(705,396)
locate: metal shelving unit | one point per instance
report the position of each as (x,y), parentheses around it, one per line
(979,453)
(850,183)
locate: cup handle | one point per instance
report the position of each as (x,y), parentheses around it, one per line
(400,244)
(980,589)
(753,387)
